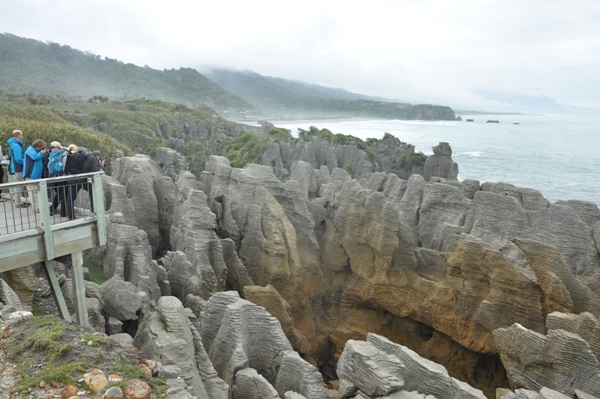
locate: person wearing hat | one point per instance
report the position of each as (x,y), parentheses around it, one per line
(53,160)
(85,163)
(72,148)
(54,146)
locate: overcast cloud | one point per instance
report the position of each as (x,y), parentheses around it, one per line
(466,54)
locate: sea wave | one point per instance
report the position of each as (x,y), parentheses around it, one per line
(470,153)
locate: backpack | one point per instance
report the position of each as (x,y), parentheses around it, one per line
(55,165)
(74,163)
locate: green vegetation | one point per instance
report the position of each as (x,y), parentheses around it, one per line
(37,310)
(95,339)
(418,158)
(28,65)
(96,272)
(326,134)
(349,169)
(65,354)
(49,69)
(46,335)
(249,148)
(370,156)
(402,159)
(43,122)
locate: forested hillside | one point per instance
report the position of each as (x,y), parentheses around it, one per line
(288,99)
(37,68)
(28,65)
(132,126)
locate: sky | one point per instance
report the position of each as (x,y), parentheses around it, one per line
(471,55)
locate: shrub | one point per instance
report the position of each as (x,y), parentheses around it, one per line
(418,158)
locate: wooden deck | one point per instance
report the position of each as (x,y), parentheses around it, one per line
(30,235)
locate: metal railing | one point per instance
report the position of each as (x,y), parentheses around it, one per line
(35,204)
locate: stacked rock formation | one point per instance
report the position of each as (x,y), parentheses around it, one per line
(465,274)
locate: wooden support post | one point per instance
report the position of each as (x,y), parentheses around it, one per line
(79,289)
(45,218)
(56,292)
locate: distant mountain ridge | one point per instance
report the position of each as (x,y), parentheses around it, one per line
(28,65)
(289,99)
(31,66)
(235,80)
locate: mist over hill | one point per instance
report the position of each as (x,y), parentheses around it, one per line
(28,65)
(31,66)
(289,99)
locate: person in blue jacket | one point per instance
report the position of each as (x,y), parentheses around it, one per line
(15,167)
(33,163)
(15,151)
(32,169)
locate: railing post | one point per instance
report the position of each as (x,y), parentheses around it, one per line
(45,218)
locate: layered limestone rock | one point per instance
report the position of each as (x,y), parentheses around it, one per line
(360,159)
(171,161)
(435,266)
(153,194)
(374,372)
(585,325)
(128,255)
(238,334)
(421,252)
(273,231)
(168,335)
(204,263)
(560,360)
(440,164)
(269,298)
(379,368)
(21,282)
(249,384)
(9,298)
(422,375)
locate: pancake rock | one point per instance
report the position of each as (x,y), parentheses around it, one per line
(168,335)
(153,195)
(238,334)
(560,360)
(436,266)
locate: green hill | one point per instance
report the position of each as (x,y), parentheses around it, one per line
(30,66)
(288,99)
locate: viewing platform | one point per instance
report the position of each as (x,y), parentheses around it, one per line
(30,234)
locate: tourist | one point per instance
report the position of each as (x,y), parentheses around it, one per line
(32,170)
(2,158)
(15,148)
(81,162)
(53,167)
(15,167)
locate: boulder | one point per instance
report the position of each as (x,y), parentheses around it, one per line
(121,299)
(251,385)
(23,283)
(374,372)
(560,360)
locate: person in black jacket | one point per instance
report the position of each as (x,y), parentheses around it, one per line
(82,163)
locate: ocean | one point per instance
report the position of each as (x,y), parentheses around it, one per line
(555,154)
